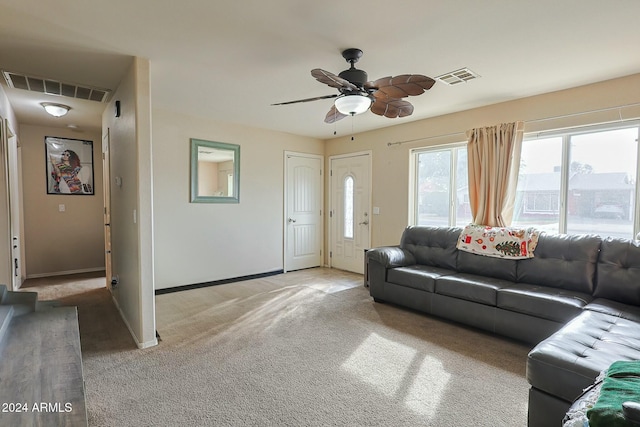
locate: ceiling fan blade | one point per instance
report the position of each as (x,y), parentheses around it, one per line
(334,115)
(332,80)
(307,99)
(402,86)
(391,107)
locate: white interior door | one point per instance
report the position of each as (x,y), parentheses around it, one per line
(10,229)
(303,211)
(15,201)
(6,258)
(350,213)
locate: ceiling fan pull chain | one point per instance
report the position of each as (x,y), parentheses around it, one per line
(352,119)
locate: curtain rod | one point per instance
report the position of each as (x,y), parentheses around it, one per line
(544,119)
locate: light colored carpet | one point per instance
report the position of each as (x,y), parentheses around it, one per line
(306,348)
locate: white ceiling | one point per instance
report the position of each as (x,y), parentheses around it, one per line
(229,60)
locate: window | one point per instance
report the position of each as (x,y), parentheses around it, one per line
(434,201)
(348,207)
(579,181)
(539,184)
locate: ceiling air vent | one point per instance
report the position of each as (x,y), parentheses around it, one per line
(462,75)
(53,87)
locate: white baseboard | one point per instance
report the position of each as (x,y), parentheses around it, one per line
(64,273)
(141,345)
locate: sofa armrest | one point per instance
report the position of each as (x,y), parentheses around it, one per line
(391,256)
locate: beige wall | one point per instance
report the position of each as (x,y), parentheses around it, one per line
(59,242)
(131,206)
(197,243)
(201,242)
(390,183)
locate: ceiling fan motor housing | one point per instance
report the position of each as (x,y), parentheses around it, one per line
(352,75)
(355,76)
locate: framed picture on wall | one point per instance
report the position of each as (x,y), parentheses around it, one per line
(69,166)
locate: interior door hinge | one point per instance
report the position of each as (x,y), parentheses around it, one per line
(331,254)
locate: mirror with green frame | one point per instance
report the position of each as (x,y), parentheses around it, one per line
(215,172)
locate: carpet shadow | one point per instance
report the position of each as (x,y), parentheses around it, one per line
(463,339)
(101,326)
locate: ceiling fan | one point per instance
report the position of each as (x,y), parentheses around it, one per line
(357,95)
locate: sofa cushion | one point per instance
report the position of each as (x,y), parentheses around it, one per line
(559,305)
(618,276)
(569,361)
(417,276)
(435,246)
(487,266)
(470,287)
(615,308)
(562,261)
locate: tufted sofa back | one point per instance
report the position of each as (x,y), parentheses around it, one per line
(481,265)
(434,246)
(608,268)
(562,261)
(618,276)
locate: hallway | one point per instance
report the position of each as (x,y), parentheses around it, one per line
(58,287)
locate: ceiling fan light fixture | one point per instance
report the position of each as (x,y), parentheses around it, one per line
(56,110)
(353,104)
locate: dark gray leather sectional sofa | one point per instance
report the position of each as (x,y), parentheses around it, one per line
(577,300)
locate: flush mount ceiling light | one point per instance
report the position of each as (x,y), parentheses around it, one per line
(353,104)
(56,110)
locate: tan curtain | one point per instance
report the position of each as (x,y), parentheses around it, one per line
(494,160)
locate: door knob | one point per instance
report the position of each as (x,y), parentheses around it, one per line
(291,220)
(365,222)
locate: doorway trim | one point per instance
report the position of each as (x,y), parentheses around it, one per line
(106,194)
(369,154)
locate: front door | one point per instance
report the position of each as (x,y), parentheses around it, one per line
(303,211)
(350,214)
